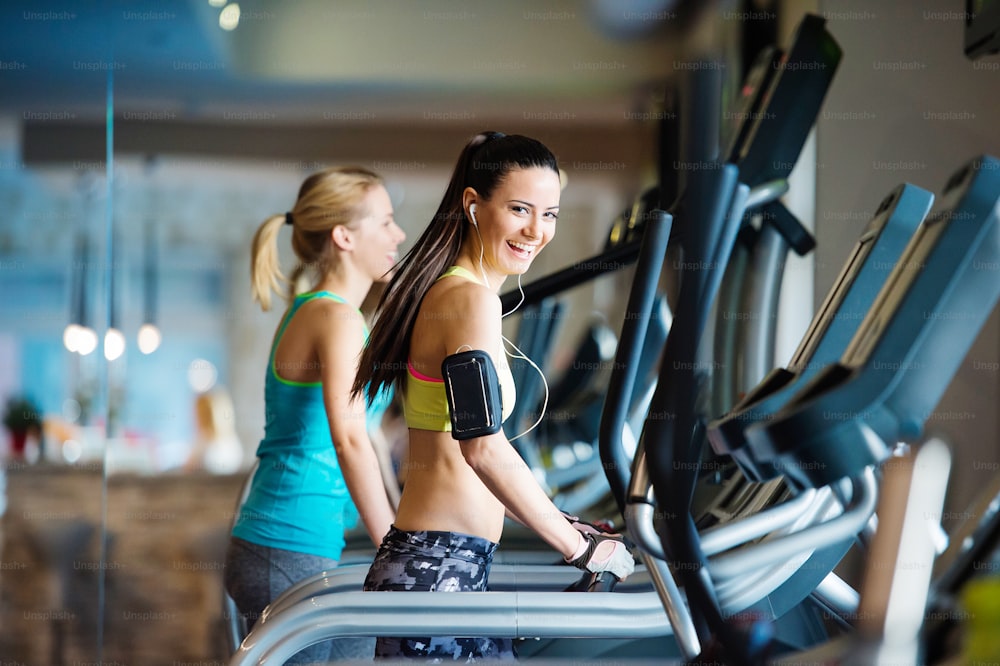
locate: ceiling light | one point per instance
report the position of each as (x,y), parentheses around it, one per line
(71,337)
(149,338)
(114,344)
(86,340)
(229,17)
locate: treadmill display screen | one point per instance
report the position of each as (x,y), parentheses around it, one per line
(825,314)
(896,287)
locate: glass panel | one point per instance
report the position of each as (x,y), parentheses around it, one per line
(54,269)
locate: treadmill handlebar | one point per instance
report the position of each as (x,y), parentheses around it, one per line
(617,465)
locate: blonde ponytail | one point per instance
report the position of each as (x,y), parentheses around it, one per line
(265,271)
(326,199)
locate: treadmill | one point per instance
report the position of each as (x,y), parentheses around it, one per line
(672,445)
(875,253)
(906,350)
(882,391)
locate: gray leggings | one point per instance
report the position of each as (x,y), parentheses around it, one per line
(256,575)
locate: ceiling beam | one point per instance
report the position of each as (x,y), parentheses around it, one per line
(620,147)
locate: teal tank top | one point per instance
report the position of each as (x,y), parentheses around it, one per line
(298,498)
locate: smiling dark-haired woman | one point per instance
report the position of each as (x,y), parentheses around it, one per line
(498,212)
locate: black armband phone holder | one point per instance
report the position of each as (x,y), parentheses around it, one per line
(473,390)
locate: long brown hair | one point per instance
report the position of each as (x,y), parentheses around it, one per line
(326,199)
(484,162)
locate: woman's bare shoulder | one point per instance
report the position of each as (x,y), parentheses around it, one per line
(457,298)
(329,313)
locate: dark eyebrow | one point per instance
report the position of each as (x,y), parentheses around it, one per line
(529,204)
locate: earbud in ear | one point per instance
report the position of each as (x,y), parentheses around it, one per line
(472,213)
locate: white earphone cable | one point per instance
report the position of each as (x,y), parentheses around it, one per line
(545,384)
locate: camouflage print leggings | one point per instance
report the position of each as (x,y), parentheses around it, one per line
(435,562)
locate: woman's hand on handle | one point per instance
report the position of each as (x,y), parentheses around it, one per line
(603,552)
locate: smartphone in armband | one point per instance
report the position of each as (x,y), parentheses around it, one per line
(473,390)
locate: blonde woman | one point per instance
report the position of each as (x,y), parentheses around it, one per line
(317,471)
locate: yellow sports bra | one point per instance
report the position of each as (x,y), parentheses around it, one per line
(425,405)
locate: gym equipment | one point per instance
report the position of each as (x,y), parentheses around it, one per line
(907,348)
(788,110)
(503,578)
(888,231)
(951,265)
(874,255)
(887,625)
